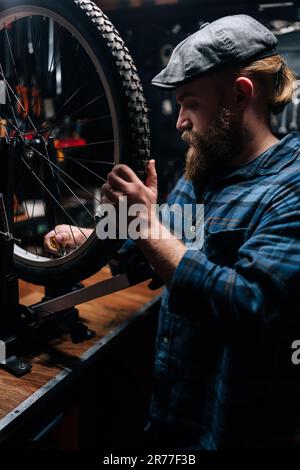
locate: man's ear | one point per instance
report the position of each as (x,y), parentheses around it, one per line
(243,91)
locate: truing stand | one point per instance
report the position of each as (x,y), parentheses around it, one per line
(21,326)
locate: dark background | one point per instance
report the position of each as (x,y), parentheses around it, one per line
(151,31)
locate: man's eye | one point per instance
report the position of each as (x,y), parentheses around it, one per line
(192,105)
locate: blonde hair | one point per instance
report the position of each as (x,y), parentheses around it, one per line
(277,79)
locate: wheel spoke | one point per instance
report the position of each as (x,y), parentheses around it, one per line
(66,174)
(63,126)
(88,104)
(51,195)
(91,171)
(16,98)
(11,106)
(101,142)
(77,111)
(65,82)
(91,161)
(75,196)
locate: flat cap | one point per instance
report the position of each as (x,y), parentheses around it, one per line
(227,41)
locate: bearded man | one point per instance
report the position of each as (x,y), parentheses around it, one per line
(223,375)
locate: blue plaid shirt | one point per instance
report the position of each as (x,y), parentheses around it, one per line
(223,375)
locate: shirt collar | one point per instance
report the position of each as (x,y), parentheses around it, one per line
(269,162)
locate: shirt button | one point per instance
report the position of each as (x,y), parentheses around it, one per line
(165,339)
(193,228)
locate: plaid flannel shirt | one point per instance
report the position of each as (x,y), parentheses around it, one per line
(223,375)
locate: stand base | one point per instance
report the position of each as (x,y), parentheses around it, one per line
(16,366)
(35,332)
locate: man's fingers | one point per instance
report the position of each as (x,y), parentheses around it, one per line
(117,182)
(105,200)
(126,173)
(111,195)
(65,238)
(49,244)
(57,239)
(151,180)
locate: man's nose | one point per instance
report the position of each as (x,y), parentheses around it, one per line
(183,122)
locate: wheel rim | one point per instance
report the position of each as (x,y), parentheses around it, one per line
(22,19)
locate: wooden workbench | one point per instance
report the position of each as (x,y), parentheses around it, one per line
(67,379)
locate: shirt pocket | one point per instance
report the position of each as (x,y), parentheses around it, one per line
(222,246)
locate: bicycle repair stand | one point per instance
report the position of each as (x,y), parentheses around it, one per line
(21,326)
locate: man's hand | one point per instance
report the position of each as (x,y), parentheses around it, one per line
(163,253)
(122,181)
(65,237)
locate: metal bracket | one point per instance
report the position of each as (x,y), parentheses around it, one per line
(109,286)
(16,366)
(133,269)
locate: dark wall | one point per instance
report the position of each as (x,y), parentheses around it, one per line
(152,32)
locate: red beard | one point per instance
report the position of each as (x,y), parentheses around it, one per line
(208,154)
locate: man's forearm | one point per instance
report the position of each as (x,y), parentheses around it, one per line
(163,253)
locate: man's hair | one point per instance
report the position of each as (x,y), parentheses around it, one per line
(278,80)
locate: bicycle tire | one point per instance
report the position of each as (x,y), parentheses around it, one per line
(101,40)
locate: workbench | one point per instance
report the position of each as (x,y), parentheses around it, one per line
(92,395)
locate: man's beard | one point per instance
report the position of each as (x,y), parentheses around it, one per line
(209,154)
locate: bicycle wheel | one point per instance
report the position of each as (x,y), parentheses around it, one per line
(72,100)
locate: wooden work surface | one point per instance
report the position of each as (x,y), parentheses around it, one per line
(106,316)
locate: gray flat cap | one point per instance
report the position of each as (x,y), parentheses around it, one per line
(229,40)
